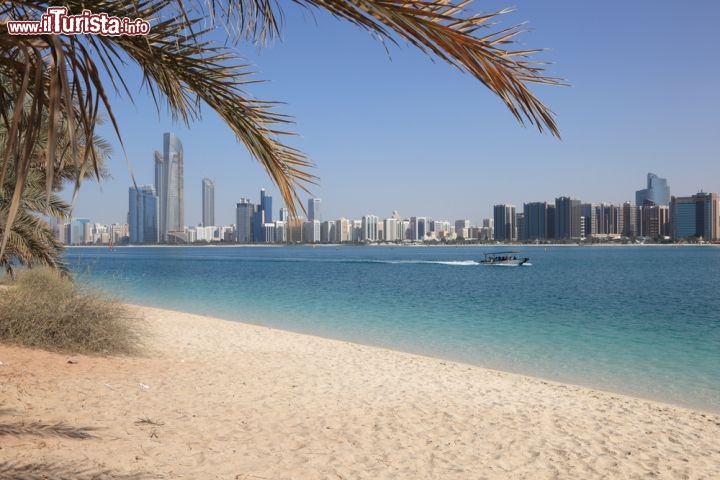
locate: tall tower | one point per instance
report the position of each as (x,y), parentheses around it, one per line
(208,202)
(243,221)
(567,218)
(143,214)
(261,216)
(657,192)
(170,186)
(314,212)
(504,216)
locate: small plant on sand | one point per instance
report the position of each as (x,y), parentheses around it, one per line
(44,309)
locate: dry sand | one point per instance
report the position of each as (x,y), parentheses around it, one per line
(218,399)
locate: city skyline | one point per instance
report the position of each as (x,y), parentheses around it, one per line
(677,217)
(423,138)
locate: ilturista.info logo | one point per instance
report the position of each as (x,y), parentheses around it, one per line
(57,22)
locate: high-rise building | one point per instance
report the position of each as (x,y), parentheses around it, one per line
(390,227)
(143,215)
(261,215)
(535,218)
(313,210)
(244,221)
(629,216)
(697,216)
(327,232)
(208,202)
(462,229)
(311,231)
(80,231)
(654,220)
(520,234)
(418,228)
(169,186)
(567,218)
(266,206)
(504,221)
(608,218)
(369,228)
(342,230)
(284,214)
(657,191)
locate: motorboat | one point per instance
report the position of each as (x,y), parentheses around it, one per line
(509,259)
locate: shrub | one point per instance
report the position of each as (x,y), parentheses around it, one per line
(43,309)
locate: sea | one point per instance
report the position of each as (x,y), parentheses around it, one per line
(636,320)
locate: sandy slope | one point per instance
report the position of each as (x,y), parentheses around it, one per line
(217,399)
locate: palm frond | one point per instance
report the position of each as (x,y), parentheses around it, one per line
(61,77)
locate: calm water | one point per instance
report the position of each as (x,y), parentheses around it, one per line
(637,320)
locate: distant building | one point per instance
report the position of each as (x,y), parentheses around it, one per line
(418,228)
(654,220)
(462,229)
(327,232)
(629,220)
(281,232)
(80,231)
(143,213)
(567,218)
(208,202)
(244,221)
(608,219)
(311,231)
(551,221)
(269,233)
(369,228)
(504,221)
(697,216)
(520,227)
(284,214)
(391,230)
(342,231)
(169,187)
(535,219)
(657,191)
(262,214)
(314,212)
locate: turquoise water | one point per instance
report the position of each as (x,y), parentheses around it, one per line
(638,320)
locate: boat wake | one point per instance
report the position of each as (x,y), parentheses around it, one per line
(457,263)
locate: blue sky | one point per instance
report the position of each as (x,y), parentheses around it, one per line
(401,132)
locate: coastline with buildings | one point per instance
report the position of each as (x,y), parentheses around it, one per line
(156,216)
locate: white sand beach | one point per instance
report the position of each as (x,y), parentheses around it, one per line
(219,399)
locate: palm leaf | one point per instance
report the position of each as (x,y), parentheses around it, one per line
(60,77)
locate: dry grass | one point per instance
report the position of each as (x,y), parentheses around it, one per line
(44,310)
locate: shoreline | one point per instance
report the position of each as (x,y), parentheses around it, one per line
(429,357)
(214,398)
(407,245)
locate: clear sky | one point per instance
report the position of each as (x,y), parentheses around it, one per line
(399,132)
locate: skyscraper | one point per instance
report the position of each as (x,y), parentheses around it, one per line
(262,215)
(535,221)
(208,202)
(504,220)
(170,186)
(143,215)
(567,218)
(244,221)
(697,216)
(314,212)
(657,191)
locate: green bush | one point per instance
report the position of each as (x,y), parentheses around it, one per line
(46,310)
